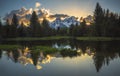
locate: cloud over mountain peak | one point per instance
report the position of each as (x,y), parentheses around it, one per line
(24,14)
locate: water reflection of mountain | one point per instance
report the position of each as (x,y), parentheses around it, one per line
(101,52)
(26,56)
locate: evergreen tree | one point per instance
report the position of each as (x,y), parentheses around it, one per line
(7,29)
(22,31)
(0,24)
(62,31)
(118,24)
(15,20)
(91,31)
(35,25)
(0,29)
(13,27)
(83,28)
(71,30)
(98,19)
(106,23)
(46,29)
(76,30)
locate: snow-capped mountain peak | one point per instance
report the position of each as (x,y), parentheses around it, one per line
(64,23)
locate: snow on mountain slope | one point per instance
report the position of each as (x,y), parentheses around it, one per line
(64,23)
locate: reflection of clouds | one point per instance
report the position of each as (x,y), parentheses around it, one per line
(24,57)
(98,56)
(79,51)
(24,60)
(88,50)
(42,59)
(26,52)
(38,67)
(47,59)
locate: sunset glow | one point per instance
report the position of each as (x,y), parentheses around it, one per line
(78,8)
(59,37)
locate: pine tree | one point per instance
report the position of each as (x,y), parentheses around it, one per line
(7,29)
(106,22)
(76,31)
(118,24)
(83,28)
(13,27)
(46,28)
(22,31)
(98,19)
(0,24)
(71,30)
(0,29)
(15,20)
(35,25)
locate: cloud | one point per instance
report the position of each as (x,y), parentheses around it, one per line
(24,14)
(38,4)
(59,15)
(45,12)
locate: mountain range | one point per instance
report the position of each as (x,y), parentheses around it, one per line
(58,22)
(55,20)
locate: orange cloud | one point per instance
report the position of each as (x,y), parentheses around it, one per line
(37,4)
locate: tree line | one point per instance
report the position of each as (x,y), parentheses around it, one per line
(35,29)
(106,24)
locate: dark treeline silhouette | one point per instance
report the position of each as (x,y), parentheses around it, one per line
(35,29)
(105,24)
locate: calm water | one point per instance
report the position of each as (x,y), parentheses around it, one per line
(85,59)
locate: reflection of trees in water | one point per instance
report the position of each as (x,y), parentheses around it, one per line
(26,56)
(13,55)
(104,55)
(104,52)
(69,53)
(101,52)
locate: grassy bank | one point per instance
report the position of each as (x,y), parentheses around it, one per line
(9,47)
(46,49)
(36,49)
(62,37)
(37,38)
(97,38)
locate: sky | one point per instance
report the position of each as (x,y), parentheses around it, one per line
(78,8)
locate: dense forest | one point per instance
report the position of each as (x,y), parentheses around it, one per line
(106,24)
